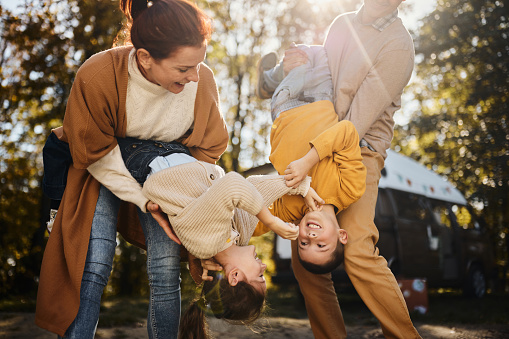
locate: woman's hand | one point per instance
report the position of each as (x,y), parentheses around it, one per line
(162,220)
(298,170)
(294,57)
(313,200)
(209,265)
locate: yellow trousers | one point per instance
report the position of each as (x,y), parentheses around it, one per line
(367,270)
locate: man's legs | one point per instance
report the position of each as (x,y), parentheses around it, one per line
(163,270)
(101,250)
(321,300)
(368,271)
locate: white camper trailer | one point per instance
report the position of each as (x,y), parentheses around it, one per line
(426,231)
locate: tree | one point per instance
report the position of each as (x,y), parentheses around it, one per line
(462,84)
(41,48)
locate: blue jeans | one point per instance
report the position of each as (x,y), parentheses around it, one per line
(163,269)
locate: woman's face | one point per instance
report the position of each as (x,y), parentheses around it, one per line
(174,72)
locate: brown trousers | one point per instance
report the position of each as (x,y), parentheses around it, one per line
(368,271)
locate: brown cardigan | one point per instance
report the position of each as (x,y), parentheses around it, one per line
(95,115)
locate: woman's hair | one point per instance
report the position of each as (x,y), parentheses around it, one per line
(163,26)
(239,304)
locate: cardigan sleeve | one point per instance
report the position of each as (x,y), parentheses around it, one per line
(91,123)
(209,137)
(91,118)
(111,172)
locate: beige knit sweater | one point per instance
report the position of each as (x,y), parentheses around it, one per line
(369,71)
(203,204)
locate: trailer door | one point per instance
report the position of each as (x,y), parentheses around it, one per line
(418,237)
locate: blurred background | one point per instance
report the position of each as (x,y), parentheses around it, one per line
(454,118)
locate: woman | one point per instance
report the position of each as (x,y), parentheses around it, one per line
(124,92)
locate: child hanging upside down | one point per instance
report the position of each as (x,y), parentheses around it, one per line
(305,127)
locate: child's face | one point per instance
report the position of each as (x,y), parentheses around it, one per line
(249,268)
(318,235)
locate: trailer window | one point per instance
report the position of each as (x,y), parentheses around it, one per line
(410,206)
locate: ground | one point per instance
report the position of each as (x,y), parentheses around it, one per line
(449,315)
(21,326)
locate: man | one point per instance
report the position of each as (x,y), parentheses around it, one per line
(371,58)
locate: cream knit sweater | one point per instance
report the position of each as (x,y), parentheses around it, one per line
(152,113)
(203,204)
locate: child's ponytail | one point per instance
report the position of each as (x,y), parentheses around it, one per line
(240,304)
(192,324)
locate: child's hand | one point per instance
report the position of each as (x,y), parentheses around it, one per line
(298,170)
(209,265)
(294,57)
(313,200)
(285,230)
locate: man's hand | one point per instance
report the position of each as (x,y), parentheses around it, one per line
(209,265)
(294,57)
(313,200)
(162,220)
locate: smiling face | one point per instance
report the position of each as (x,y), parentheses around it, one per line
(319,233)
(246,266)
(374,9)
(174,72)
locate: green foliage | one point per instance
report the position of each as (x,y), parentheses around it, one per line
(41,47)
(461,131)
(245,31)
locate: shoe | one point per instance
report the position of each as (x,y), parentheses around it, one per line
(52,216)
(267,62)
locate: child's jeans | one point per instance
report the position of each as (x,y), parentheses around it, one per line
(163,269)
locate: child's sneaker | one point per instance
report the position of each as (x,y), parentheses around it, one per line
(52,216)
(267,62)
